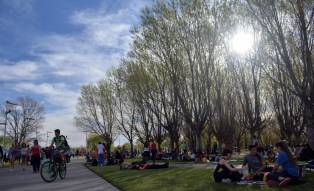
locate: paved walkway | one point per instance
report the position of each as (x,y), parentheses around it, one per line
(78,178)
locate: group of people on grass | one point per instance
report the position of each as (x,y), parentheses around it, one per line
(282,172)
(100,156)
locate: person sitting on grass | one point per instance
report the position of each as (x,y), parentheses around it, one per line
(199,156)
(285,170)
(255,164)
(118,157)
(225,172)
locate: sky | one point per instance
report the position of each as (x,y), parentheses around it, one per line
(49,49)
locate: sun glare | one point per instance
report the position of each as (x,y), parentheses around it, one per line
(242,42)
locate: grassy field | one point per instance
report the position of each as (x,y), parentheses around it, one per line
(178,179)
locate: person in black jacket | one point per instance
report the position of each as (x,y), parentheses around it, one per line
(1,153)
(226,171)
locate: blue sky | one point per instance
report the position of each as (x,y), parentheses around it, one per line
(48,49)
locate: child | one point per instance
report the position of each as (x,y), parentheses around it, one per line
(225,171)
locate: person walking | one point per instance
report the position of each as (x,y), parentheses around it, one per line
(13,152)
(100,151)
(35,156)
(1,155)
(153,150)
(146,152)
(24,155)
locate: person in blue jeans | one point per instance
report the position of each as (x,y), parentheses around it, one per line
(100,150)
(285,169)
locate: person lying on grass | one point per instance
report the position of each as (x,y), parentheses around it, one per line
(285,170)
(142,165)
(225,172)
(255,164)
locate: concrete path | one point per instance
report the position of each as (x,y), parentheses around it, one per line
(78,178)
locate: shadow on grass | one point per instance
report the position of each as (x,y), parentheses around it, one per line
(178,179)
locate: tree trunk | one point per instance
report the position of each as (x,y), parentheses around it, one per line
(172,147)
(310,135)
(159,141)
(252,134)
(198,141)
(132,148)
(309,114)
(176,142)
(108,148)
(209,145)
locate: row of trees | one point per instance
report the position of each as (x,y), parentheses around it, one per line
(180,80)
(24,118)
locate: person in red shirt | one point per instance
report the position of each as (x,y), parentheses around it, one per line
(153,150)
(35,154)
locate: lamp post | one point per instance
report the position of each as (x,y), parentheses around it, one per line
(48,137)
(86,139)
(8,103)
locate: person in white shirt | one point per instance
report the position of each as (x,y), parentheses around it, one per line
(24,155)
(100,151)
(254,141)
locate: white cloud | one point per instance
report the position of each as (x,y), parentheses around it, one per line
(80,58)
(64,121)
(74,57)
(57,94)
(106,30)
(23,70)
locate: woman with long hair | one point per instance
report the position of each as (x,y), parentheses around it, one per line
(285,170)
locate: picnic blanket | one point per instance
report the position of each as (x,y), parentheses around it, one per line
(245,182)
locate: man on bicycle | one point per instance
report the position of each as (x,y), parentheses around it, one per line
(61,144)
(56,165)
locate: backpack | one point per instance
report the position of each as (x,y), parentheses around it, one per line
(65,142)
(67,147)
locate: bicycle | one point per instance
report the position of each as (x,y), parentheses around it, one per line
(50,169)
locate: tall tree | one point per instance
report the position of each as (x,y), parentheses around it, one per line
(96,113)
(25,119)
(289,27)
(125,107)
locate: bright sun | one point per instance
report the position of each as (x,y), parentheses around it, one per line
(242,42)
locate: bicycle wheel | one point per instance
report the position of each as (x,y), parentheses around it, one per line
(62,170)
(48,172)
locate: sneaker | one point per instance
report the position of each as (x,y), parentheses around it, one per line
(226,180)
(285,182)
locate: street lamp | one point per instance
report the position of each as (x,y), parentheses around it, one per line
(8,103)
(48,137)
(86,139)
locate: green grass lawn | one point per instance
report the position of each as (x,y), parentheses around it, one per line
(178,179)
